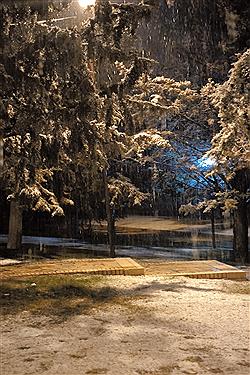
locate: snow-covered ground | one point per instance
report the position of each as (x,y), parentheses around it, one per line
(154,326)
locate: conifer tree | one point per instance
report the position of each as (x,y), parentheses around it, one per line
(48,112)
(230,149)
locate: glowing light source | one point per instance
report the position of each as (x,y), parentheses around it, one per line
(85,3)
(206,162)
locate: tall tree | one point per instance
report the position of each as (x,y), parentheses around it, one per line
(230,149)
(48,110)
(114,71)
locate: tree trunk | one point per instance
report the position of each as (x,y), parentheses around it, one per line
(1,147)
(112,234)
(213,230)
(110,218)
(240,231)
(240,223)
(231,219)
(15,226)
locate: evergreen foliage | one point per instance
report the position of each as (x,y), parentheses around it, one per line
(80,115)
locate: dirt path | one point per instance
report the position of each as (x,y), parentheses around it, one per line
(147,325)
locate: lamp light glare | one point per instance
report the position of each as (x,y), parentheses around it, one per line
(85,3)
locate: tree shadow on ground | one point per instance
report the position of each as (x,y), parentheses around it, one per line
(64,300)
(177,287)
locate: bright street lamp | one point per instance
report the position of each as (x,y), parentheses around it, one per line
(85,3)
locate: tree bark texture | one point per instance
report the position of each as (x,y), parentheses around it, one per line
(213,229)
(240,230)
(110,218)
(240,225)
(1,148)
(15,226)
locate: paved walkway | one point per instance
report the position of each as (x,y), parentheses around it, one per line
(199,269)
(122,266)
(117,266)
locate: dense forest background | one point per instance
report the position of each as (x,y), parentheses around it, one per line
(127,133)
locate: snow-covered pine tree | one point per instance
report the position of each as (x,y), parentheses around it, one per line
(230,149)
(133,103)
(48,112)
(115,68)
